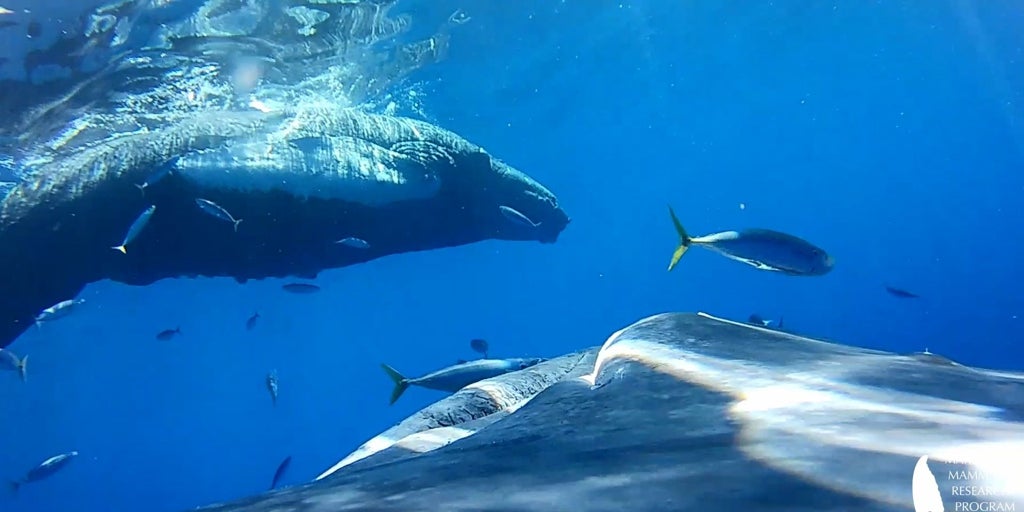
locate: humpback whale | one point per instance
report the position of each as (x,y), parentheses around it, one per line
(683,411)
(301,179)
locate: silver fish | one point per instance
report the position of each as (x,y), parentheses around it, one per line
(217,210)
(58,310)
(458,376)
(761,248)
(46,469)
(136,228)
(10,361)
(517,217)
(152,180)
(353,242)
(272,386)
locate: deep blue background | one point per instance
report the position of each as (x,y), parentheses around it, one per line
(889,134)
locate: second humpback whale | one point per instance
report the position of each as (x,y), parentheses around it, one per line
(681,401)
(301,179)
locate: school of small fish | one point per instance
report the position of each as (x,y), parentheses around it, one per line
(448,379)
(214,210)
(759,248)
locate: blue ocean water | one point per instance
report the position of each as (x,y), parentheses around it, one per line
(890,134)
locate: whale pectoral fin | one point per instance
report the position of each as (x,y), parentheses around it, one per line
(424,153)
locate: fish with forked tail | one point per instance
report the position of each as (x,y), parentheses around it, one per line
(760,321)
(479,345)
(133,231)
(760,248)
(168,334)
(215,210)
(45,469)
(458,376)
(10,361)
(159,175)
(58,310)
(250,324)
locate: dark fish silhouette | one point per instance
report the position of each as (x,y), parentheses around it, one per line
(168,334)
(44,470)
(300,288)
(479,345)
(281,468)
(903,294)
(760,321)
(251,322)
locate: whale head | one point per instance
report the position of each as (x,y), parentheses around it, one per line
(397,185)
(497,185)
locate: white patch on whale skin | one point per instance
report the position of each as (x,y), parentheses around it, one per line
(418,442)
(506,393)
(422,442)
(374,445)
(324,167)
